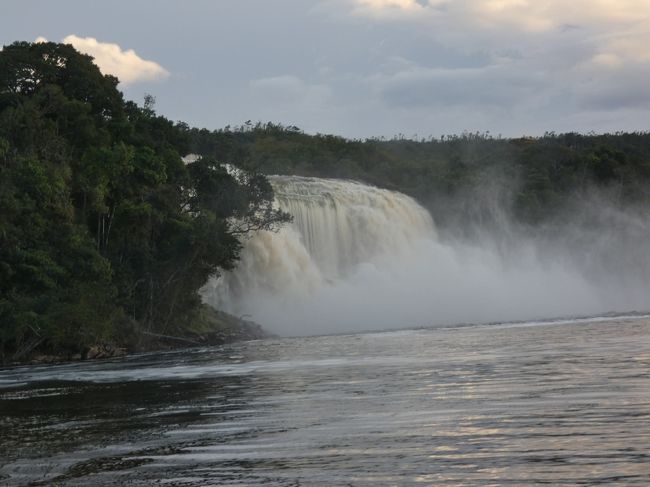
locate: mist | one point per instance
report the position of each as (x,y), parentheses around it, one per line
(360,258)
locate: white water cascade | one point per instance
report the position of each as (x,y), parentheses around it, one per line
(358,257)
(342,224)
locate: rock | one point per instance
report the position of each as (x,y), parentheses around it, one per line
(119,352)
(104,351)
(93,352)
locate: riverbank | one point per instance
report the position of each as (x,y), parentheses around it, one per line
(212,328)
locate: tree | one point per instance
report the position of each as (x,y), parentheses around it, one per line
(103,230)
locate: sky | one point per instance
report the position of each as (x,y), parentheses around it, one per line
(364,68)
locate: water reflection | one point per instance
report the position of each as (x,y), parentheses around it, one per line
(561,405)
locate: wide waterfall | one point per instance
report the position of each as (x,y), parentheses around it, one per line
(337,226)
(342,224)
(358,257)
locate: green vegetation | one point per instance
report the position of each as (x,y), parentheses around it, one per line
(105,234)
(459,178)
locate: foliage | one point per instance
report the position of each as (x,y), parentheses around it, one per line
(104,231)
(456,177)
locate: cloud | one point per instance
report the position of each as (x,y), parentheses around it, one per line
(389,6)
(289,89)
(612,26)
(612,89)
(497,86)
(380,67)
(582,55)
(400,4)
(535,15)
(112,59)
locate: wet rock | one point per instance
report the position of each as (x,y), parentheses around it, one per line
(104,351)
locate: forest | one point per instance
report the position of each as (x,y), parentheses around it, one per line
(457,177)
(107,235)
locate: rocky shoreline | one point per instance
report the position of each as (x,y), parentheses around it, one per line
(216,328)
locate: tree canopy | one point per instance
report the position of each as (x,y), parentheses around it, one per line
(104,230)
(535,179)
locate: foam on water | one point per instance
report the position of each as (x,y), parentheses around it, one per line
(358,257)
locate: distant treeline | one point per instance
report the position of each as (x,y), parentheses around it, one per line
(456,177)
(106,236)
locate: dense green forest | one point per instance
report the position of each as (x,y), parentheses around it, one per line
(104,232)
(458,178)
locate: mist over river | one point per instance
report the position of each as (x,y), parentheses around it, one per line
(558,403)
(357,258)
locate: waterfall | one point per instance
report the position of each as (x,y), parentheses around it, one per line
(342,223)
(337,226)
(357,257)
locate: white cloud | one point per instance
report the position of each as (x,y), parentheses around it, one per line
(403,4)
(618,25)
(112,59)
(524,14)
(382,6)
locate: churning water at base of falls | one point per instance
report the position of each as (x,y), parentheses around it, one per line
(560,404)
(358,257)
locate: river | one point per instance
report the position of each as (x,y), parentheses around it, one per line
(557,403)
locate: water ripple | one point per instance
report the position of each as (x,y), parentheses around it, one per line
(501,405)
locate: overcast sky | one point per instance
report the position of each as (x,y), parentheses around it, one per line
(363,68)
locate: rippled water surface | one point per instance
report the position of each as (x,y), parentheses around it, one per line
(558,404)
